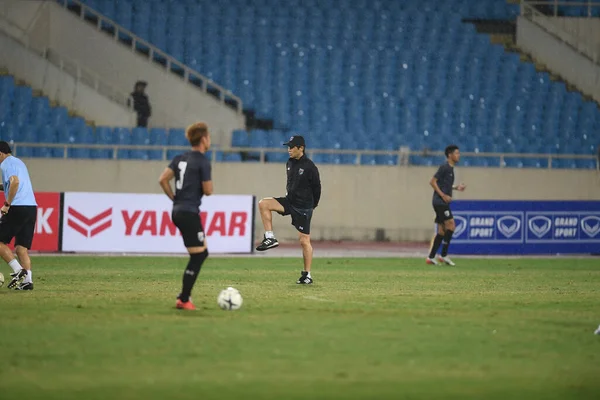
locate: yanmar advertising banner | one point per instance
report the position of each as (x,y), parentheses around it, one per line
(526,227)
(46,234)
(141,223)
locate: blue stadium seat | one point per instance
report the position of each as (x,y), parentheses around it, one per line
(124,13)
(344,159)
(6,114)
(22,104)
(139,136)
(425,160)
(123,136)
(321,158)
(26,134)
(367,159)
(104,136)
(276,157)
(40,111)
(564,163)
(82,135)
(240,138)
(229,156)
(587,164)
(158,137)
(58,117)
(386,160)
(176,137)
(47,134)
(259,138)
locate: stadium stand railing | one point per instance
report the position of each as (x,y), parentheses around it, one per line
(401,157)
(154,55)
(71,67)
(575,30)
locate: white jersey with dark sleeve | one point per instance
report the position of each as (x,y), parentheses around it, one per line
(191,169)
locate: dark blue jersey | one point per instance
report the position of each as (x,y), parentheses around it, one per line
(191,169)
(445,181)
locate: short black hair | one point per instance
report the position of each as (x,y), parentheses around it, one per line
(450,149)
(5,147)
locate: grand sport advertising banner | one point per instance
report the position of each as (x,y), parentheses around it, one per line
(526,227)
(141,223)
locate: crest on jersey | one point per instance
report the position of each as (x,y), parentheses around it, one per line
(301,171)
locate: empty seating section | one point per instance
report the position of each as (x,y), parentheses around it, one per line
(591,9)
(348,74)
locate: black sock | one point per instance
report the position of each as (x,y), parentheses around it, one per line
(447,239)
(436,245)
(191,273)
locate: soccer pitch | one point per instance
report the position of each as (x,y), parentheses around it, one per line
(106,327)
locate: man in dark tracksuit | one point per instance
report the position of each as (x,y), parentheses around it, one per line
(141,104)
(303,195)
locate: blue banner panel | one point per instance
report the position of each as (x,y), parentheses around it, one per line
(526,227)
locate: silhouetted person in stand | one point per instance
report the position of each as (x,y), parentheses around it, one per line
(141,104)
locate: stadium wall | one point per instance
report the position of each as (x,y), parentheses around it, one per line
(583,33)
(560,57)
(59,86)
(357,200)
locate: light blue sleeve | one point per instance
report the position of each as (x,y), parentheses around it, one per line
(9,170)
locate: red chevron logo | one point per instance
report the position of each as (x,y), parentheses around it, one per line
(85,225)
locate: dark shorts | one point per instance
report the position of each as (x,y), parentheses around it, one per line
(190,226)
(18,223)
(442,213)
(300,217)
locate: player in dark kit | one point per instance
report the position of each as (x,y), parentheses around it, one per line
(192,173)
(442,184)
(303,195)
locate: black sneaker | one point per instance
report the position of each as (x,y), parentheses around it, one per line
(267,243)
(16,278)
(304,279)
(25,286)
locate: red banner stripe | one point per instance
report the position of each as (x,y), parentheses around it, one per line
(78,228)
(101,228)
(90,221)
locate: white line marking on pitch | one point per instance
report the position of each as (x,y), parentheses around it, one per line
(315,298)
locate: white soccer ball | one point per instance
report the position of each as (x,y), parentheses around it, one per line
(1,279)
(230,299)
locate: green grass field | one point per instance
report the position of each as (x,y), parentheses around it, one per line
(106,328)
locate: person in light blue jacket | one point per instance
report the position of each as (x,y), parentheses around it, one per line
(17,218)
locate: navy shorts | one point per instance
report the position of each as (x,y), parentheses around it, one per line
(190,226)
(300,217)
(18,223)
(442,213)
